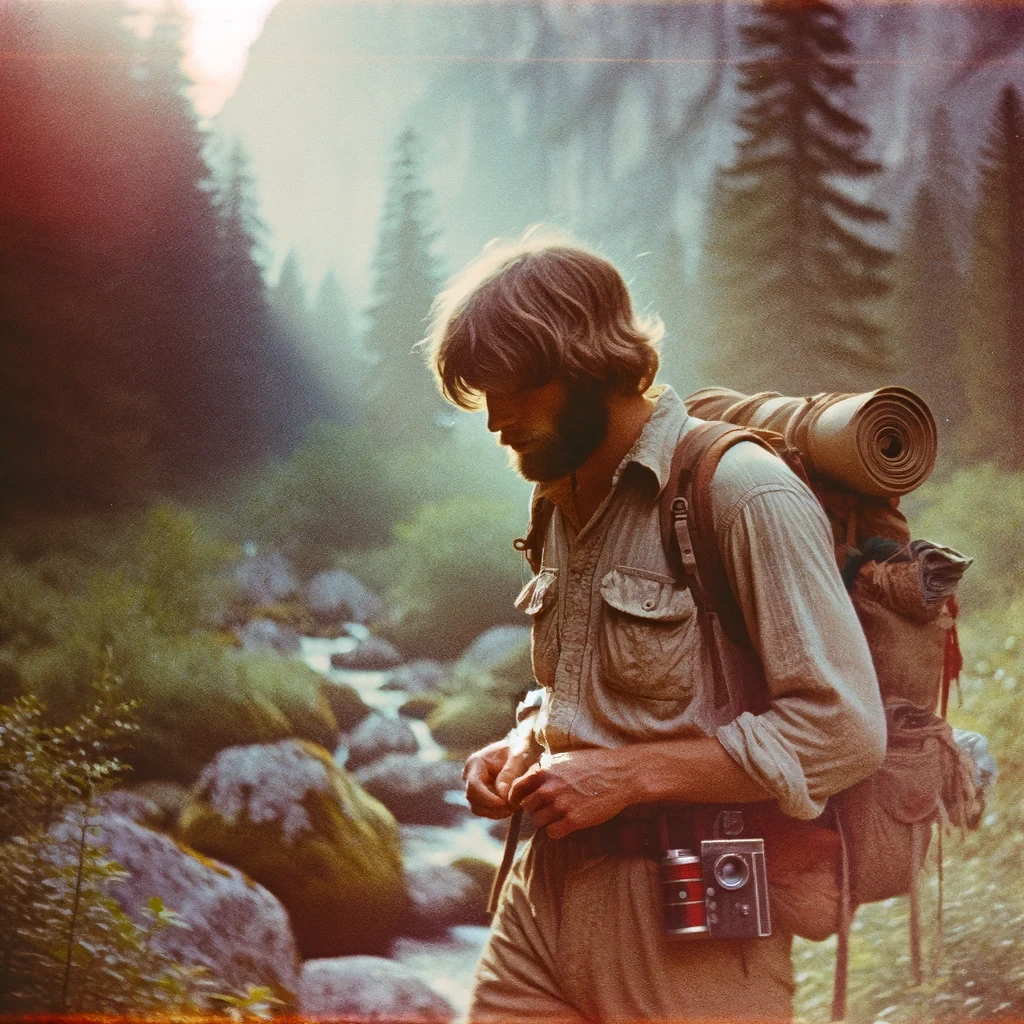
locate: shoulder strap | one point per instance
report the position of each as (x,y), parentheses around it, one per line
(687,520)
(532,545)
(688,534)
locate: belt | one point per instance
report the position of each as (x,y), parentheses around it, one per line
(649,830)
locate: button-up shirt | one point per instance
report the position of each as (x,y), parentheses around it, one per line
(622,659)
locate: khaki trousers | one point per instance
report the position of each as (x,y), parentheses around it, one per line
(578,936)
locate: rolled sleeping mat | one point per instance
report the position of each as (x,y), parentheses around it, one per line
(881,443)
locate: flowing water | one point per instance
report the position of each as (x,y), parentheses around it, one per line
(445,963)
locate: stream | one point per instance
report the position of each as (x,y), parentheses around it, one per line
(445,963)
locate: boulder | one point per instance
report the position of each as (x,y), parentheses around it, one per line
(376,736)
(367,988)
(296,692)
(443,896)
(168,795)
(471,720)
(348,707)
(495,646)
(371,654)
(417,677)
(237,931)
(268,635)
(297,823)
(266,579)
(499,661)
(420,708)
(414,790)
(337,596)
(132,805)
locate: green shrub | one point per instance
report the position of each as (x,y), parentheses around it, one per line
(74,950)
(181,568)
(336,492)
(450,574)
(197,695)
(980,973)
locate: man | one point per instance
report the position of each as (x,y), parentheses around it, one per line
(542,333)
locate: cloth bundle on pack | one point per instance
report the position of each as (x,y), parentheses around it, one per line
(860,454)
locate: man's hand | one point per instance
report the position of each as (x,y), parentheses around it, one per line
(491,771)
(578,789)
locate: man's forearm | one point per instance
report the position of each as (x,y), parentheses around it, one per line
(580,788)
(693,770)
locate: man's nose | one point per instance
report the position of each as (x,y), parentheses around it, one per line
(499,414)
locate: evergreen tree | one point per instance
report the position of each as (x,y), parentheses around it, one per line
(992,337)
(926,302)
(288,298)
(335,344)
(400,391)
(790,270)
(946,173)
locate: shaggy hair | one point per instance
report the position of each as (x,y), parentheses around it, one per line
(532,310)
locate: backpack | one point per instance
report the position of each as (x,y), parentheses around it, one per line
(885,822)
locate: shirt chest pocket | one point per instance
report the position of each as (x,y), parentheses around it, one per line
(539,600)
(648,643)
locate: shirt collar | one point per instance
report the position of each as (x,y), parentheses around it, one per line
(656,445)
(653,449)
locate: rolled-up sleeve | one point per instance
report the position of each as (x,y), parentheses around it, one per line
(824,728)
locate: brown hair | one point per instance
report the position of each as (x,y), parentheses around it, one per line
(535,309)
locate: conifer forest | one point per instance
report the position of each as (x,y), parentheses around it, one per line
(257,580)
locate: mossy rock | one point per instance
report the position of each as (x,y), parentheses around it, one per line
(286,613)
(481,871)
(471,720)
(348,707)
(168,750)
(420,708)
(288,817)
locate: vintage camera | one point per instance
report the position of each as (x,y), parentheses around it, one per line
(720,894)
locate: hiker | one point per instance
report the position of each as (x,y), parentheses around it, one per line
(651,728)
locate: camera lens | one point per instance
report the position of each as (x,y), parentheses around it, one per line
(731,871)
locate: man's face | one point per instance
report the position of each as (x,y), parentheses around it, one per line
(551,430)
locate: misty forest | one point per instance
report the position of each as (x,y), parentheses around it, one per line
(257,578)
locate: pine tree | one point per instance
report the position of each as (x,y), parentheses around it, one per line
(926,302)
(947,176)
(288,298)
(335,344)
(790,270)
(401,392)
(992,337)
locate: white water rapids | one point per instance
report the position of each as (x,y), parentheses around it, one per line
(445,963)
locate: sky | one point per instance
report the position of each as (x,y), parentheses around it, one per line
(217,46)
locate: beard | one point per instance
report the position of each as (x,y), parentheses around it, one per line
(580,426)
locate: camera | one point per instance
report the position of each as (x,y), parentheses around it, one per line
(721,894)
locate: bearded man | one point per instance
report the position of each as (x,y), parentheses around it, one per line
(627,726)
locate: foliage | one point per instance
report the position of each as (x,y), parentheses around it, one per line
(990,336)
(979,973)
(182,570)
(450,574)
(790,270)
(152,608)
(137,347)
(979,511)
(66,945)
(337,491)
(927,298)
(402,393)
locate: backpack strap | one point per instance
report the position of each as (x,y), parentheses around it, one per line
(532,545)
(688,534)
